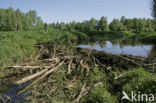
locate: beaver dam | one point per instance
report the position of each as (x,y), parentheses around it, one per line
(73,75)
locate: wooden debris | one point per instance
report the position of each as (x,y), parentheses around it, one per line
(31,77)
(83,92)
(76,63)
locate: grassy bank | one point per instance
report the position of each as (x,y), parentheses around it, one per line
(18,47)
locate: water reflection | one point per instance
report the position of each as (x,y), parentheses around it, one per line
(152,53)
(116,48)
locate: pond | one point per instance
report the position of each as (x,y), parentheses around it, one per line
(135,50)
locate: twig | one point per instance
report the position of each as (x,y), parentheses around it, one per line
(26,67)
(39,53)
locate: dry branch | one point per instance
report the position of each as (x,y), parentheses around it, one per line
(121,75)
(83,92)
(50,60)
(39,53)
(50,71)
(26,67)
(69,67)
(127,59)
(31,77)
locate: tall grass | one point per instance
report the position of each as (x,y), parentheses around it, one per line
(18,47)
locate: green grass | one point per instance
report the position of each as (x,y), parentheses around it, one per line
(17,47)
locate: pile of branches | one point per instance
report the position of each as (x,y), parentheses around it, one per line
(52,57)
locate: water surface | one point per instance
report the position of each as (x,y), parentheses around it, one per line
(135,50)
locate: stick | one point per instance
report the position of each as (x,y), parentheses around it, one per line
(128,60)
(39,53)
(49,72)
(69,67)
(27,67)
(81,94)
(50,60)
(121,75)
(31,77)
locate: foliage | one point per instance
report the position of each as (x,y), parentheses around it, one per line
(133,25)
(15,20)
(100,95)
(116,25)
(154,8)
(137,80)
(17,47)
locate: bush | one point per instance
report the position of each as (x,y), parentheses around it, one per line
(140,81)
(100,95)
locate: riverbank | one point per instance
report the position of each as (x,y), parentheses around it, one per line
(18,48)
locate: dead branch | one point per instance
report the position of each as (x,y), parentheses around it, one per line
(26,67)
(121,75)
(69,67)
(31,77)
(129,60)
(39,53)
(83,92)
(49,72)
(50,60)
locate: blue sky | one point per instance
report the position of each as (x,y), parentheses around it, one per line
(79,10)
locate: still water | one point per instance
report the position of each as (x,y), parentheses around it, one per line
(137,50)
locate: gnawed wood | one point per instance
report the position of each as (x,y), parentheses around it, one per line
(26,79)
(50,71)
(26,67)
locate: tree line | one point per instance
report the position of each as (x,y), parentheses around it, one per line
(15,20)
(123,24)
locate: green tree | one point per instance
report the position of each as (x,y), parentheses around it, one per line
(150,26)
(103,25)
(33,16)
(39,22)
(46,27)
(3,20)
(62,26)
(154,9)
(18,20)
(15,20)
(116,25)
(93,24)
(123,19)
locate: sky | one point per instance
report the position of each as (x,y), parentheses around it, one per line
(79,10)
